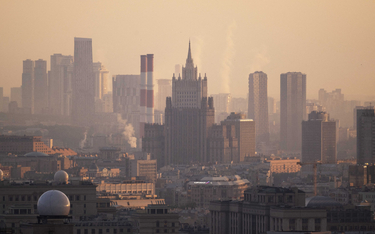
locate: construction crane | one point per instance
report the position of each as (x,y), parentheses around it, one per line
(315,172)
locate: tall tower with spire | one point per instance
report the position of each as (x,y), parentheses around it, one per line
(188,90)
(189,116)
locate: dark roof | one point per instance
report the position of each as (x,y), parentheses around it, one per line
(322,202)
(269,189)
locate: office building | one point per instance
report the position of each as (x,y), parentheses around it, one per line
(28,85)
(266,209)
(258,105)
(156,218)
(83,85)
(126,97)
(189,115)
(366,136)
(164,91)
(60,84)
(319,139)
(216,188)
(101,80)
(232,140)
(153,142)
(292,110)
(40,86)
(16,95)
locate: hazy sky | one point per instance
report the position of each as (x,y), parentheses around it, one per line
(333,42)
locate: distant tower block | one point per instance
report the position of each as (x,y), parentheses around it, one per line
(150,88)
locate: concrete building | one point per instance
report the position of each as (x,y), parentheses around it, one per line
(258,105)
(292,110)
(216,188)
(153,142)
(156,218)
(284,165)
(101,76)
(146,169)
(82,196)
(189,115)
(16,95)
(60,84)
(266,209)
(232,140)
(40,86)
(366,136)
(319,139)
(127,187)
(126,99)
(83,85)
(164,91)
(23,144)
(28,85)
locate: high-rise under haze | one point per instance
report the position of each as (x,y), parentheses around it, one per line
(16,95)
(60,84)
(28,85)
(366,135)
(258,105)
(164,91)
(189,115)
(83,85)
(292,110)
(40,86)
(319,139)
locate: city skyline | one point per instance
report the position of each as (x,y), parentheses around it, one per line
(236,37)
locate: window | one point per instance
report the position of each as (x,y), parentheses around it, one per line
(165,230)
(77,197)
(86,231)
(78,231)
(84,197)
(157,230)
(92,231)
(84,205)
(100,231)
(157,224)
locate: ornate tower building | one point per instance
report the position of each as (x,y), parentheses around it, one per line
(189,115)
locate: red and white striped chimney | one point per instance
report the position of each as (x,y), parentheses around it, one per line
(150,88)
(143,95)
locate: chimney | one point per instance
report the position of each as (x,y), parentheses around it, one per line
(150,88)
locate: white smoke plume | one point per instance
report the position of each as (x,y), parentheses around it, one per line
(228,57)
(127,131)
(260,59)
(83,141)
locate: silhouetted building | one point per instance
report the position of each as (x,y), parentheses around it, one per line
(319,139)
(360,175)
(189,115)
(40,86)
(60,84)
(292,109)
(232,140)
(153,142)
(126,99)
(366,136)
(258,105)
(28,85)
(16,95)
(83,85)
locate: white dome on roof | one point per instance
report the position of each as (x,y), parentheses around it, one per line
(53,203)
(61,176)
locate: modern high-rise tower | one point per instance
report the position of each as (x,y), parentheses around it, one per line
(60,84)
(258,105)
(83,83)
(40,86)
(292,110)
(28,85)
(366,135)
(319,139)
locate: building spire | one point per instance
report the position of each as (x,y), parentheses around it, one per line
(189,59)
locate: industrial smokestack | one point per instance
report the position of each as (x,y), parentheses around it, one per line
(143,95)
(150,88)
